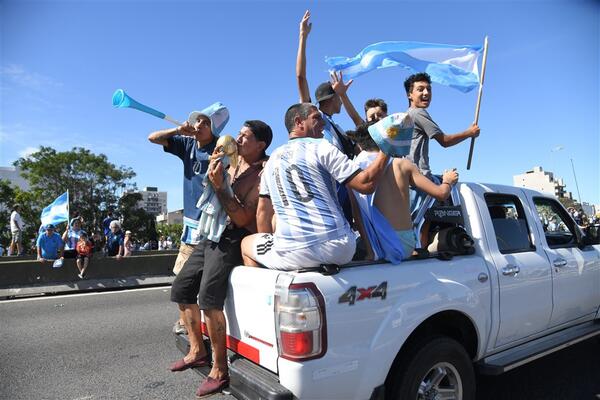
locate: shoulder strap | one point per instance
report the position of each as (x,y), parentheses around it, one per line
(347,144)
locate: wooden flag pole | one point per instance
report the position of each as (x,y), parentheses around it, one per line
(485,49)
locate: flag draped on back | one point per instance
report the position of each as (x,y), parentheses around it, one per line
(57,211)
(448,65)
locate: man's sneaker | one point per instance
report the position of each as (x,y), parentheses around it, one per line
(211,386)
(179,329)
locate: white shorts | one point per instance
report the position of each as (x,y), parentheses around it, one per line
(338,251)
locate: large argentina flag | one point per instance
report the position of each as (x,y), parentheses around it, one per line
(57,211)
(449,65)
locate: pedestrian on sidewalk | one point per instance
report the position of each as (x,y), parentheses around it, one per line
(16,229)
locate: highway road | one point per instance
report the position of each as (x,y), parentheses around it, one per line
(118,345)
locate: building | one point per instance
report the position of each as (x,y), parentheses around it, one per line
(173,217)
(153,201)
(588,209)
(542,181)
(13,175)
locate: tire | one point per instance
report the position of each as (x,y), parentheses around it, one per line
(436,366)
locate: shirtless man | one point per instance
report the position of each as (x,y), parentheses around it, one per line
(391,198)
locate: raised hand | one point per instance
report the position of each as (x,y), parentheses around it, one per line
(186,129)
(305,25)
(337,83)
(474,130)
(450,177)
(216,174)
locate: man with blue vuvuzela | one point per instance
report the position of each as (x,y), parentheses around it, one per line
(193,142)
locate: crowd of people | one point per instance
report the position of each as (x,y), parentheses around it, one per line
(298,207)
(75,243)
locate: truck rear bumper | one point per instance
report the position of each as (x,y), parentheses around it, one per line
(247,380)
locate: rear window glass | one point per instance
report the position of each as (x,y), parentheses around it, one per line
(509,222)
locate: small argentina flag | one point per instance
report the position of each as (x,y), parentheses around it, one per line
(393,134)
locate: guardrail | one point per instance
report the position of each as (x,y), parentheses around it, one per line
(25,272)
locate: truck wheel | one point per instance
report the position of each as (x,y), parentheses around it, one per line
(437,368)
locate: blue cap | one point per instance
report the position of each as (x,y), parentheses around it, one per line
(49,226)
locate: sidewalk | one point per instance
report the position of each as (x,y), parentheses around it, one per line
(85,285)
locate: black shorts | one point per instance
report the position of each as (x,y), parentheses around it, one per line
(204,277)
(83,257)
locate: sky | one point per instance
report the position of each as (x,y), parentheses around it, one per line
(60,62)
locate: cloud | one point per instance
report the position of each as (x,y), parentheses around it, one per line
(30,80)
(26,152)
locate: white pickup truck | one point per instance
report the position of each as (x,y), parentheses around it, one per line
(419,330)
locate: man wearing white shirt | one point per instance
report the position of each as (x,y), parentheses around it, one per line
(298,187)
(16,228)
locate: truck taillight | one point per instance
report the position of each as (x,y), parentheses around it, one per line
(300,322)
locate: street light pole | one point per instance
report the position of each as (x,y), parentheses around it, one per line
(576,184)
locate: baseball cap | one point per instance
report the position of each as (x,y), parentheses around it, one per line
(49,226)
(393,134)
(218,115)
(324,91)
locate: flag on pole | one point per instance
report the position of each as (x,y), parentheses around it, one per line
(448,65)
(57,211)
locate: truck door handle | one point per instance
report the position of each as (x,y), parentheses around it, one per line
(560,262)
(511,270)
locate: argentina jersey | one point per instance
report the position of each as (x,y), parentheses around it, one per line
(300,180)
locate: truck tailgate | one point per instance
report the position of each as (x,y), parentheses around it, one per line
(249,308)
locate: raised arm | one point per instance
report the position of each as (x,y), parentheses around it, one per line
(451,140)
(441,191)
(341,88)
(162,137)
(305,27)
(366,180)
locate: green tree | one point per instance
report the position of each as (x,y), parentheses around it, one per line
(92,181)
(172,230)
(141,223)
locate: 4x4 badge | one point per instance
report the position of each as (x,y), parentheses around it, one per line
(350,296)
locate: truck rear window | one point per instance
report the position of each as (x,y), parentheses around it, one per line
(509,222)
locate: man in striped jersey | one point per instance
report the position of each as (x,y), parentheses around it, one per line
(298,187)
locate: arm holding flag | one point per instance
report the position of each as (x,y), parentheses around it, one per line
(38,245)
(446,140)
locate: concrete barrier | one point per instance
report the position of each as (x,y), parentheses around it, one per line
(102,273)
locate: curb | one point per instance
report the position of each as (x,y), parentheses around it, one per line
(85,286)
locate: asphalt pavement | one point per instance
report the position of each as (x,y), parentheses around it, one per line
(118,345)
(111,345)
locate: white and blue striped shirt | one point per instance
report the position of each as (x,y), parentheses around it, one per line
(300,180)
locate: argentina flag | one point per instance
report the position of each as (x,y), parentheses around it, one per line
(57,211)
(448,65)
